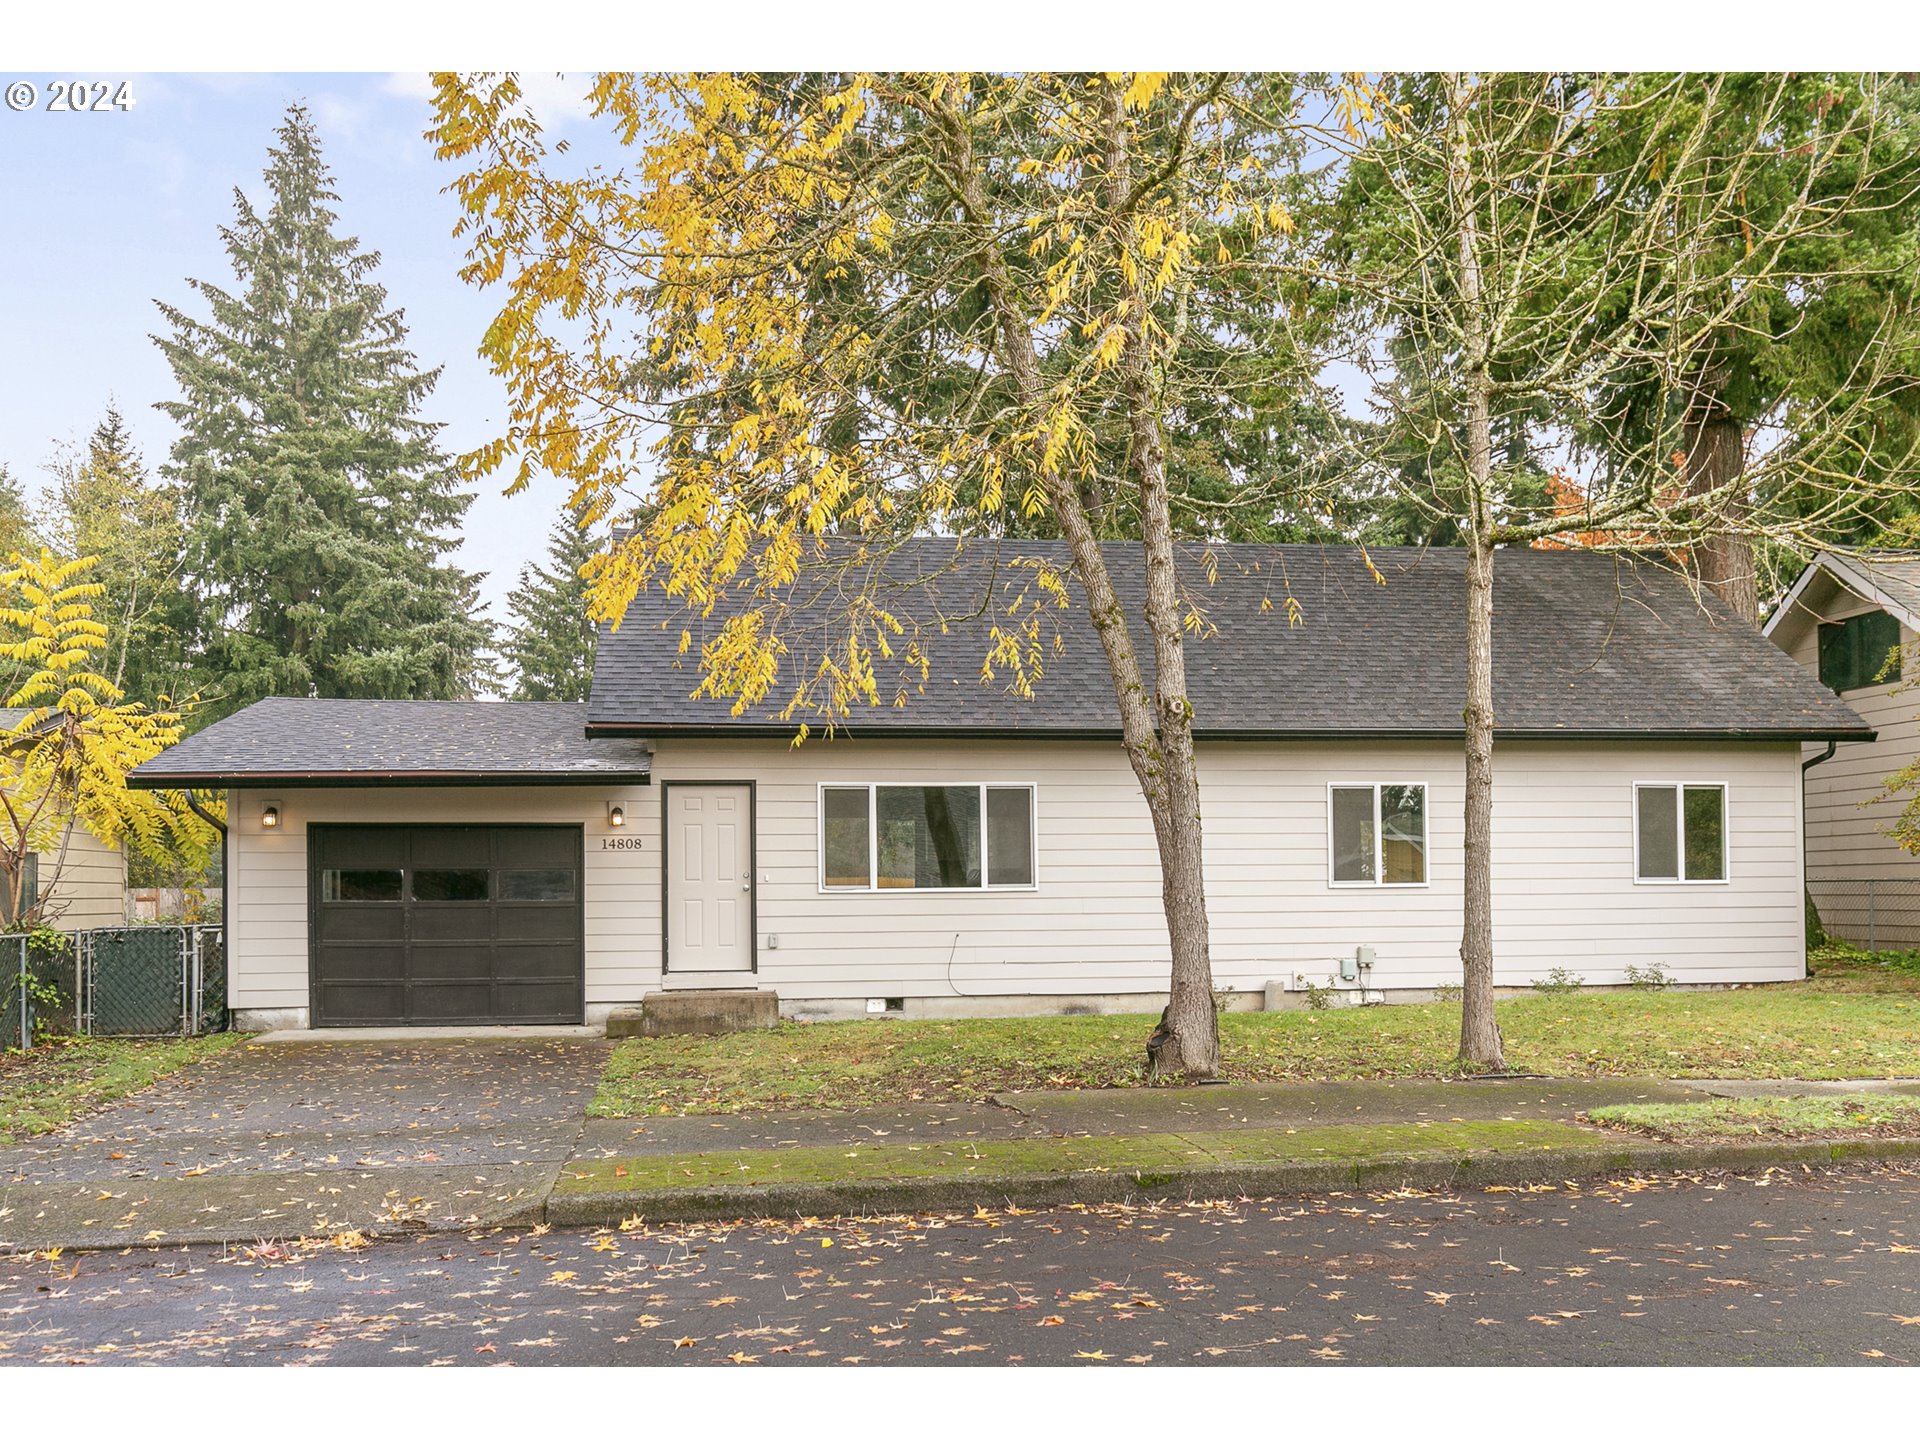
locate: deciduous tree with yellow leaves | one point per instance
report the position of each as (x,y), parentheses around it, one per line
(64,758)
(817,314)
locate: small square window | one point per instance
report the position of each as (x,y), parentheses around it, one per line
(1680,833)
(1377,834)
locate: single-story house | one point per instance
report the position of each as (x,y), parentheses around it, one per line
(1852,620)
(971,850)
(82,890)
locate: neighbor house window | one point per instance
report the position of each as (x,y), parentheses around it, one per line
(926,837)
(1680,832)
(29,878)
(1377,834)
(1854,651)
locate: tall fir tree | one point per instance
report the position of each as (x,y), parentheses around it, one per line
(550,639)
(104,503)
(319,508)
(16,524)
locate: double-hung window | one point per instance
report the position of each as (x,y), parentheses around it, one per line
(1377,834)
(1680,833)
(926,837)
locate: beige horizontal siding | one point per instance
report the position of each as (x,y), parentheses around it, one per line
(89,889)
(1565,894)
(1848,811)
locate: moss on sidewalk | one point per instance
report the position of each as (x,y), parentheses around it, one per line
(1155,1154)
(1794,1117)
(55,1083)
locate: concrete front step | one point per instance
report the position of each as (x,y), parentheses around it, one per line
(696,1012)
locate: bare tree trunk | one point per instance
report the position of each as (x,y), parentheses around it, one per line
(1191,1024)
(1715,461)
(1480,1044)
(1156,730)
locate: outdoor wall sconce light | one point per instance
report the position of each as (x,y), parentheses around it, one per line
(270,817)
(616,815)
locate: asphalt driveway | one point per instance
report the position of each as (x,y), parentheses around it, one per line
(311,1138)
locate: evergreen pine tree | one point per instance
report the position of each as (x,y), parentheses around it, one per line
(320,509)
(16,526)
(550,640)
(105,504)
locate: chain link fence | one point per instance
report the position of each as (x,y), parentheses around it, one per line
(1873,914)
(129,980)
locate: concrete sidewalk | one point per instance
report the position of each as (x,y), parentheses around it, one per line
(314,1142)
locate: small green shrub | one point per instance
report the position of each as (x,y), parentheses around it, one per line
(1449,994)
(1318,997)
(1559,981)
(1651,977)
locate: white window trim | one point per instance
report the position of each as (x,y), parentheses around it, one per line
(872,787)
(1680,787)
(1379,882)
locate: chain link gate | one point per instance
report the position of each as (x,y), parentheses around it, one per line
(16,1017)
(151,980)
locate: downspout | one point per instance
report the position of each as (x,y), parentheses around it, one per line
(1807,895)
(226,889)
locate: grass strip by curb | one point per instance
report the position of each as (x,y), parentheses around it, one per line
(1787,1116)
(1064,1155)
(579,1204)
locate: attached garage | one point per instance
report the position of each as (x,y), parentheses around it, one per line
(425,863)
(446,924)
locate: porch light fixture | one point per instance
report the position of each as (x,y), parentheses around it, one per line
(616,815)
(270,817)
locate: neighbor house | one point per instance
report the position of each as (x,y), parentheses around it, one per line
(967,850)
(1851,619)
(84,889)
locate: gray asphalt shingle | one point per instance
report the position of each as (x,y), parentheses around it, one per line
(1585,644)
(397,741)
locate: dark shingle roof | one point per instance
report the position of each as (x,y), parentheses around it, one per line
(397,742)
(1585,645)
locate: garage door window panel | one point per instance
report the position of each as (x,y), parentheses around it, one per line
(436,886)
(537,885)
(361,887)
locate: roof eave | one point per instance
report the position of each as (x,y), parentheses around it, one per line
(354,779)
(754,730)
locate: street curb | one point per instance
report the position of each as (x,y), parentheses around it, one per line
(1211,1182)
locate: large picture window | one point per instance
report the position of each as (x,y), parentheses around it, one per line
(1377,834)
(1680,833)
(926,837)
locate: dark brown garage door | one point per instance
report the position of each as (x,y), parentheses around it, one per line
(446,924)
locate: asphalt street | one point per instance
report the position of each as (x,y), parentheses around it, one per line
(1800,1268)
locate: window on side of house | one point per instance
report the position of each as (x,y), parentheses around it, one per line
(1377,834)
(1854,651)
(927,837)
(29,889)
(1680,833)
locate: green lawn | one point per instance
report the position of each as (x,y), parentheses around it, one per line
(1859,1017)
(1798,1116)
(43,1088)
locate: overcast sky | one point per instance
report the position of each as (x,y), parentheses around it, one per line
(108,212)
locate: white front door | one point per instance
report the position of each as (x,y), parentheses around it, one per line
(709,879)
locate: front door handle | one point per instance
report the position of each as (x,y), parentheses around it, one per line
(746,885)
